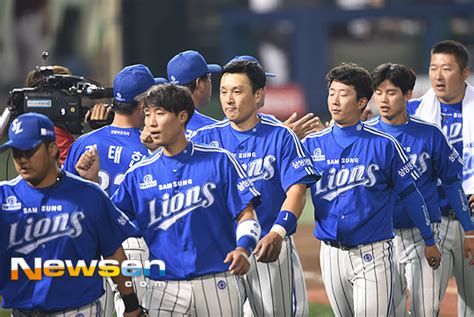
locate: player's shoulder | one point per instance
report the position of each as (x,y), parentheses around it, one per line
(11,182)
(209,150)
(317,136)
(94,134)
(277,127)
(209,129)
(413,104)
(425,127)
(372,121)
(83,187)
(269,117)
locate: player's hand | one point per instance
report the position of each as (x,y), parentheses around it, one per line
(471,201)
(239,259)
(147,140)
(469,247)
(99,112)
(305,125)
(88,165)
(268,248)
(433,256)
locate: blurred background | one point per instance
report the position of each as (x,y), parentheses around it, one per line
(298,40)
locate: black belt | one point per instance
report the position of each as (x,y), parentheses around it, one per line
(339,245)
(449,213)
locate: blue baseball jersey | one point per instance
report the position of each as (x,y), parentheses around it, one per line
(186,207)
(431,153)
(198,120)
(451,125)
(272,156)
(56,223)
(118,148)
(354,200)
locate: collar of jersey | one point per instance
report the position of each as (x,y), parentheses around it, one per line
(181,156)
(347,135)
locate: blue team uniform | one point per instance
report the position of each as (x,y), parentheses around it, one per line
(186,206)
(198,120)
(273,157)
(354,200)
(118,148)
(434,157)
(451,124)
(57,223)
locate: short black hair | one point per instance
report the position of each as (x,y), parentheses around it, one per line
(454,48)
(353,75)
(400,75)
(171,97)
(250,68)
(125,108)
(192,84)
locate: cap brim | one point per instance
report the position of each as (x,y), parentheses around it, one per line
(214,68)
(5,146)
(22,147)
(160,81)
(270,74)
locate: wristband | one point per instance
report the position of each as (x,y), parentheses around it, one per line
(429,241)
(247,234)
(131,302)
(279,230)
(287,220)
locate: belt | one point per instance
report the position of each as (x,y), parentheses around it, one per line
(339,245)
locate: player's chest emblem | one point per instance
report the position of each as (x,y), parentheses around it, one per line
(261,168)
(173,207)
(318,156)
(335,181)
(26,237)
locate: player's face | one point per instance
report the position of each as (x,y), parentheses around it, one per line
(343,105)
(36,164)
(447,78)
(390,101)
(238,102)
(164,126)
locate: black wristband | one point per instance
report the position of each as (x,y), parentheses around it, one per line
(131,302)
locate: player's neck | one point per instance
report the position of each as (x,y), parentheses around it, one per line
(176,147)
(247,124)
(398,119)
(51,178)
(123,121)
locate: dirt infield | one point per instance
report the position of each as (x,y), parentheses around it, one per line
(308,249)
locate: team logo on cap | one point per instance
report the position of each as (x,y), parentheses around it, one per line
(11,204)
(16,126)
(173,80)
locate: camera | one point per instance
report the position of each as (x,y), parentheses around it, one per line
(59,97)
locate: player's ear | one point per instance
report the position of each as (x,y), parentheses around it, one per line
(362,103)
(182,117)
(465,73)
(408,95)
(53,150)
(259,96)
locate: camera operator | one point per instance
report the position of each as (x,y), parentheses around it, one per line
(64,139)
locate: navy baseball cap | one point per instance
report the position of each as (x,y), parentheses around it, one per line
(132,81)
(189,65)
(28,130)
(252,59)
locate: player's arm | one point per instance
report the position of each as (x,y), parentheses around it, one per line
(125,287)
(269,247)
(247,236)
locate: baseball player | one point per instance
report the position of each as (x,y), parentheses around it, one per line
(303,126)
(363,172)
(276,162)
(186,199)
(190,69)
(435,159)
(449,104)
(119,148)
(45,218)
